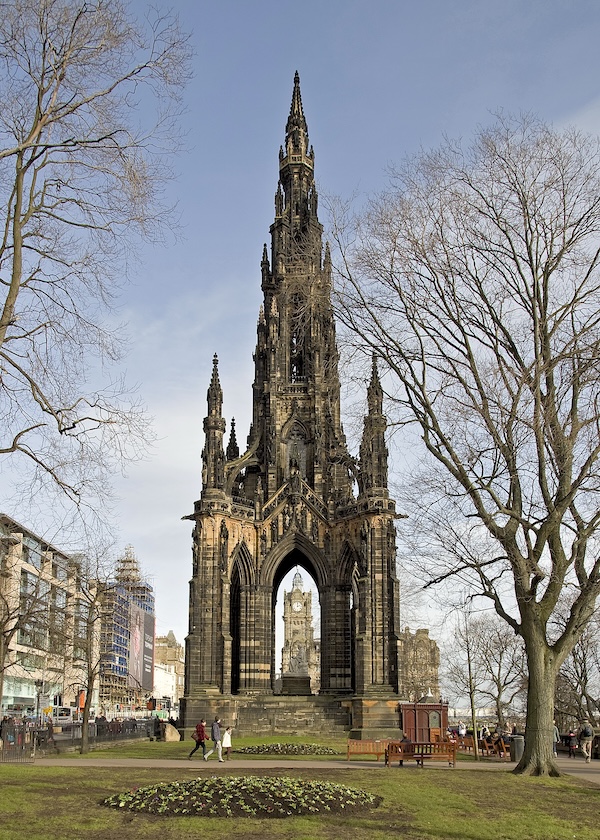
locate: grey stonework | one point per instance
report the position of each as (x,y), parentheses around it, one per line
(295,496)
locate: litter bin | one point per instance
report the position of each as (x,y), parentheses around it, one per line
(517,745)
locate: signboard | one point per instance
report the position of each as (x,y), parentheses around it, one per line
(141,649)
(148,663)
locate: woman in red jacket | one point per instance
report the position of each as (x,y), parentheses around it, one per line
(199,736)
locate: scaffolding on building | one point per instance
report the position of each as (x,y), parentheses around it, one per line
(119,694)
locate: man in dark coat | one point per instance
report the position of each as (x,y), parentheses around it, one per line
(215,734)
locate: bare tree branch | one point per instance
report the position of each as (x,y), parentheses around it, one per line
(475,278)
(88,123)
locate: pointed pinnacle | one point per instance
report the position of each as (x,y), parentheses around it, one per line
(296,117)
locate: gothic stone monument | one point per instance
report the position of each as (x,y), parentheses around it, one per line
(295,497)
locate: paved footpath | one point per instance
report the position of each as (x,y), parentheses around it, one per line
(574,766)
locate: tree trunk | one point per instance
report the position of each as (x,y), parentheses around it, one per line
(85,739)
(91,676)
(2,664)
(499,710)
(538,759)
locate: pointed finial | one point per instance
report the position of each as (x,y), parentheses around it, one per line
(215,393)
(233,450)
(374,390)
(296,130)
(215,370)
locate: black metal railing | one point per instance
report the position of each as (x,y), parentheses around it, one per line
(20,742)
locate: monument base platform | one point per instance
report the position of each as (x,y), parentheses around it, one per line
(270,714)
(374,718)
(293,684)
(361,717)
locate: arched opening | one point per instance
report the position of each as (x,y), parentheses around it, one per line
(296,635)
(235,628)
(353,627)
(435,726)
(323,648)
(240,584)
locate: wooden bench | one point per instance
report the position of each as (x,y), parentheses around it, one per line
(440,751)
(398,751)
(421,751)
(466,743)
(496,748)
(376,748)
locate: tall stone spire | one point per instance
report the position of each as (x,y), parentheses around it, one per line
(296,130)
(214,429)
(296,231)
(296,407)
(373,450)
(289,500)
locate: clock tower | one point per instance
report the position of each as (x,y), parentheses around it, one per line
(300,657)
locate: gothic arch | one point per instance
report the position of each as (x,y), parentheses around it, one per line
(234,468)
(241,579)
(241,560)
(348,567)
(288,546)
(292,423)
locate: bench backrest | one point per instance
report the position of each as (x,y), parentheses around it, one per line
(367,746)
(359,747)
(442,747)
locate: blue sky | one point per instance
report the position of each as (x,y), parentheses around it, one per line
(379,79)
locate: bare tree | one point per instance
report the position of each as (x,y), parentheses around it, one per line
(464,671)
(578,685)
(500,654)
(88,614)
(475,279)
(88,117)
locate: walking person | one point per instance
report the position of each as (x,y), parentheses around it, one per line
(572,743)
(199,735)
(586,736)
(215,734)
(226,742)
(555,739)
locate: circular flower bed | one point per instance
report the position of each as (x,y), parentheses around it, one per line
(245,796)
(287,749)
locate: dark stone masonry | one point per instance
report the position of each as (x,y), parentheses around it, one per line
(295,497)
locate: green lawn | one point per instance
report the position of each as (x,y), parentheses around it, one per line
(57,803)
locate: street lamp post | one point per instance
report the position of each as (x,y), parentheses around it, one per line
(39,687)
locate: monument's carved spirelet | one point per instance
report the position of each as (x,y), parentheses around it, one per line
(294,497)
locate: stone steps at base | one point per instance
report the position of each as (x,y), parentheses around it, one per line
(269,714)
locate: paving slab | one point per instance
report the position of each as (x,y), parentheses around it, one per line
(573,766)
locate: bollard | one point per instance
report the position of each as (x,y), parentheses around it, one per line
(517,746)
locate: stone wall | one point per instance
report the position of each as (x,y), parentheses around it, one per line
(272,715)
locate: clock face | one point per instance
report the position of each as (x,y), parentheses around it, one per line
(297,606)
